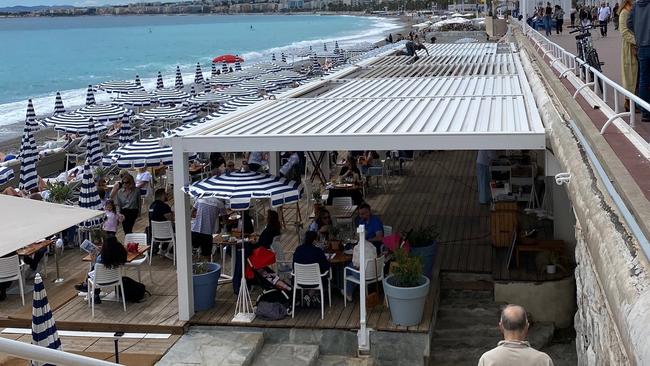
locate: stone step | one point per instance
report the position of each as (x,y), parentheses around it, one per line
(465,341)
(466,295)
(488,314)
(344,361)
(287,354)
(205,346)
(457,356)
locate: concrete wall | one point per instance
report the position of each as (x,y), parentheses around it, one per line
(612,272)
(550,301)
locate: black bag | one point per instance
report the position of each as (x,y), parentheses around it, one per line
(134,291)
(270,310)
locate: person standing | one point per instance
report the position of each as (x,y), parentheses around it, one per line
(603,16)
(483,161)
(629,64)
(514,349)
(127,200)
(615,14)
(573,16)
(548,13)
(205,213)
(638,23)
(559,19)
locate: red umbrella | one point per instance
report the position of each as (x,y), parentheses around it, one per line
(229,59)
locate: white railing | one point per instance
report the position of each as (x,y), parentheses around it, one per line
(567,63)
(37,353)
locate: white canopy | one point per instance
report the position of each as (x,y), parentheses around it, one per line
(25,221)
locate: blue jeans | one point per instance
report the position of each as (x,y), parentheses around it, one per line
(483,178)
(547,24)
(643,55)
(349,286)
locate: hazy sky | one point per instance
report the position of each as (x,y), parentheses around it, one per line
(4,3)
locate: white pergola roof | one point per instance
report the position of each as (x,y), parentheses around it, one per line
(24,221)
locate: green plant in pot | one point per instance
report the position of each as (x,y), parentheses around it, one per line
(205,279)
(406,290)
(334,238)
(424,244)
(59,192)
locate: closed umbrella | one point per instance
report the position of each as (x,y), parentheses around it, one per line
(283,57)
(93,146)
(198,76)
(58,104)
(224,68)
(142,153)
(336,47)
(139,98)
(44,332)
(72,122)
(315,66)
(120,86)
(171,96)
(126,136)
(28,155)
(159,82)
(103,113)
(30,116)
(137,80)
(213,72)
(88,196)
(179,79)
(325,47)
(6,174)
(192,91)
(90,95)
(273,56)
(167,112)
(237,66)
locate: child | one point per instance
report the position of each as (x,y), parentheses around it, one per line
(112,218)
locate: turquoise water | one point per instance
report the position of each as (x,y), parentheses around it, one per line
(42,55)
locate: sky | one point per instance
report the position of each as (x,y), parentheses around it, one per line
(4,3)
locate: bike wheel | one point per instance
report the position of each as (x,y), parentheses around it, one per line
(593,61)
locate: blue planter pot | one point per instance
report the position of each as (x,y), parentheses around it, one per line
(205,287)
(427,255)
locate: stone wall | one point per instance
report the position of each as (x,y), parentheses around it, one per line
(613,287)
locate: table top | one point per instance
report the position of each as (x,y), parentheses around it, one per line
(218,239)
(34,247)
(339,212)
(344,186)
(340,258)
(130,256)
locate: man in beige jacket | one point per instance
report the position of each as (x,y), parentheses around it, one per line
(514,350)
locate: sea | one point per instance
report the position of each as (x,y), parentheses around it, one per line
(40,56)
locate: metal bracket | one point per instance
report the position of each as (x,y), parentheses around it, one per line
(582,87)
(612,118)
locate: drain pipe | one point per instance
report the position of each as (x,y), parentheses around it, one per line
(618,201)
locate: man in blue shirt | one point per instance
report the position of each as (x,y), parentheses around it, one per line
(373,225)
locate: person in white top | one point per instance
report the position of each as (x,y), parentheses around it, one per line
(256,160)
(370,252)
(143,181)
(603,17)
(294,159)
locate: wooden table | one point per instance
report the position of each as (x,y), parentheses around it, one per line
(557,246)
(217,239)
(340,258)
(34,247)
(339,212)
(130,256)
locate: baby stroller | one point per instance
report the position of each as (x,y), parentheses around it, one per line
(260,274)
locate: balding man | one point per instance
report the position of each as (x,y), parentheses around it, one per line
(514,349)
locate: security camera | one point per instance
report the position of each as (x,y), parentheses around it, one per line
(562,178)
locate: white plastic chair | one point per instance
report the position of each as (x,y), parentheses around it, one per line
(372,275)
(104,277)
(387,230)
(140,239)
(379,172)
(163,232)
(282,264)
(10,270)
(342,201)
(308,276)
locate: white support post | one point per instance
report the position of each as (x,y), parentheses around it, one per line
(363,335)
(274,162)
(183,238)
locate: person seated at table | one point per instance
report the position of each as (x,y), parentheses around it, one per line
(350,172)
(322,223)
(112,255)
(143,181)
(369,253)
(256,160)
(230,167)
(291,169)
(308,253)
(273,228)
(216,161)
(160,211)
(373,226)
(248,223)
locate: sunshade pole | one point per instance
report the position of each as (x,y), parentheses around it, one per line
(244,308)
(58,243)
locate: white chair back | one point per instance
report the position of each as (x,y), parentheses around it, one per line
(388,230)
(106,276)
(342,201)
(375,272)
(276,247)
(140,238)
(307,274)
(162,230)
(9,267)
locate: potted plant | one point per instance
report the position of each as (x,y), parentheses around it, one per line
(424,245)
(334,239)
(406,290)
(318,201)
(205,278)
(59,192)
(553,263)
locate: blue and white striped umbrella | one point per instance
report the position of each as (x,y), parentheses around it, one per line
(167,112)
(6,174)
(239,188)
(137,81)
(226,79)
(136,99)
(126,136)
(237,66)
(28,156)
(325,47)
(90,95)
(233,105)
(273,56)
(257,84)
(209,97)
(291,75)
(88,196)
(142,153)
(103,113)
(315,66)
(283,57)
(336,47)
(72,123)
(264,67)
(58,104)
(192,91)
(44,332)
(235,91)
(119,86)
(93,146)
(224,68)
(30,116)
(213,72)
(159,82)
(179,79)
(198,75)
(171,96)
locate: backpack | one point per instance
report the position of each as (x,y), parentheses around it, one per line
(134,291)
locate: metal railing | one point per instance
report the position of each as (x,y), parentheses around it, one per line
(567,63)
(43,354)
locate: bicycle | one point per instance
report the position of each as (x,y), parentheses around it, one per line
(585,48)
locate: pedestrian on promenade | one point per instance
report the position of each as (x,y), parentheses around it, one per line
(640,26)
(514,349)
(558,14)
(573,15)
(615,13)
(603,16)
(548,13)
(629,64)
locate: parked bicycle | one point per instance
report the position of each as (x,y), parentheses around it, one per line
(585,47)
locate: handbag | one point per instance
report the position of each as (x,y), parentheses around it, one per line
(132,247)
(373,299)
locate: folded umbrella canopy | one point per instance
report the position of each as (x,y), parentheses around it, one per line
(229,59)
(93,146)
(126,136)
(58,104)
(179,79)
(44,332)
(90,95)
(198,75)
(159,81)
(88,196)
(28,155)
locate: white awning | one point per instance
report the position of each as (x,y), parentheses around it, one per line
(24,221)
